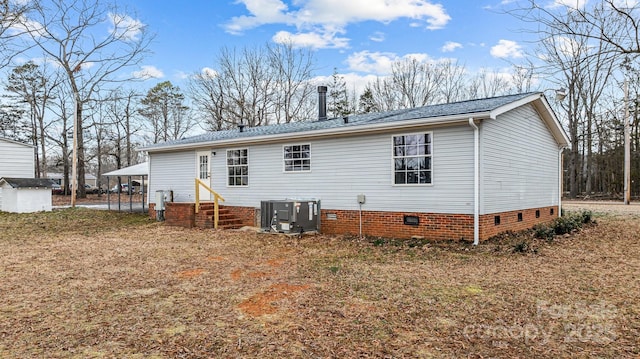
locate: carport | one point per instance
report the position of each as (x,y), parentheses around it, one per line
(140,170)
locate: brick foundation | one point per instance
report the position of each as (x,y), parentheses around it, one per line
(509,220)
(391,224)
(436,226)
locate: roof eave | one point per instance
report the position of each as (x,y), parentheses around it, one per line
(339,131)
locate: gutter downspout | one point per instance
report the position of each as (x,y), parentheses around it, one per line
(476,182)
(560,170)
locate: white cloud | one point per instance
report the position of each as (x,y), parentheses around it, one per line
(125,27)
(315,40)
(148,72)
(319,18)
(572,4)
(451,46)
(25,25)
(208,72)
(380,63)
(377,36)
(372,62)
(507,49)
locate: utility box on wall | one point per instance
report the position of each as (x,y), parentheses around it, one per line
(290,215)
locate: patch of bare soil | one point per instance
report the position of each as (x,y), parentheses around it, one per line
(78,283)
(266,302)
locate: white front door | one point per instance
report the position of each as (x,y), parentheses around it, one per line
(203,169)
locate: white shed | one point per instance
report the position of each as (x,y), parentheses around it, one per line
(17,160)
(24,195)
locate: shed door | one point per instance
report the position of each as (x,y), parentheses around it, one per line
(203,169)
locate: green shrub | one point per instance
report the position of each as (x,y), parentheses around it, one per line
(544,232)
(587,217)
(521,247)
(568,223)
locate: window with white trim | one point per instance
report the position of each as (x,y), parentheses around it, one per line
(237,167)
(297,158)
(412,159)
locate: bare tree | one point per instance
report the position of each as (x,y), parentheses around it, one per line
(11,15)
(34,85)
(612,22)
(417,82)
(72,35)
(254,86)
(452,85)
(210,99)
(292,68)
(59,133)
(579,59)
(487,83)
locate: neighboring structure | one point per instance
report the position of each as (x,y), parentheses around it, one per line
(465,170)
(59,179)
(17,160)
(22,195)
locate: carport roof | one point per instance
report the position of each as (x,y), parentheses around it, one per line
(141,169)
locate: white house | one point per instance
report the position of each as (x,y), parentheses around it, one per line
(17,159)
(22,195)
(468,170)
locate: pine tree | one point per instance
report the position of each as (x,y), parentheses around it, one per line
(367,103)
(338,97)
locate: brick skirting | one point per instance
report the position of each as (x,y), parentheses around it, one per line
(437,226)
(509,221)
(391,224)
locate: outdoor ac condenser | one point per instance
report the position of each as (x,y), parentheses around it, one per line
(290,215)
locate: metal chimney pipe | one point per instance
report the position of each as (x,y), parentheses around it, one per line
(322,103)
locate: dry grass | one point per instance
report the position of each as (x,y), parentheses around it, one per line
(93,284)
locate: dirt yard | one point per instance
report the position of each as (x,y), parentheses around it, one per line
(78,283)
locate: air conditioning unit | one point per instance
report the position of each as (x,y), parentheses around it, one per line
(290,215)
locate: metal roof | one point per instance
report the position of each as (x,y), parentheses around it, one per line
(450,112)
(27,182)
(141,169)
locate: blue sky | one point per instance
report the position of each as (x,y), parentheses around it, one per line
(358,37)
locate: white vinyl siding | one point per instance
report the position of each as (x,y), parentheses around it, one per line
(16,160)
(173,171)
(519,162)
(347,166)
